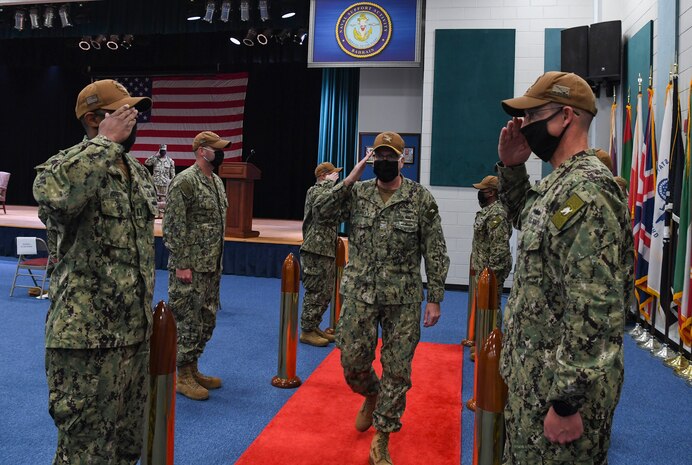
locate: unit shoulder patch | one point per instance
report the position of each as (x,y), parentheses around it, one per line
(187,189)
(567,211)
(431,212)
(495,221)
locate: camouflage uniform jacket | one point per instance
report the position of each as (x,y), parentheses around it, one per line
(318,237)
(387,241)
(164,169)
(102,287)
(194,221)
(572,282)
(491,232)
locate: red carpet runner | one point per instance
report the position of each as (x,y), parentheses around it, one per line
(316,426)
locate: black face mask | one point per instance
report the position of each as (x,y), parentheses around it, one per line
(130,141)
(542,143)
(385,170)
(218,158)
(482,199)
(162,153)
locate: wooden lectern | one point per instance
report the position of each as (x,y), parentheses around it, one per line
(240,178)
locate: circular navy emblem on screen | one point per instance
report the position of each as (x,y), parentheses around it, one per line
(363,30)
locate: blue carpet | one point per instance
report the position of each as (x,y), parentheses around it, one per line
(652,422)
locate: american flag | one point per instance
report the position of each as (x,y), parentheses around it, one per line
(184,106)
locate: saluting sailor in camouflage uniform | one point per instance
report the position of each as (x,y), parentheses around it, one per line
(491,233)
(562,357)
(102,203)
(317,258)
(394,222)
(193,231)
(163,171)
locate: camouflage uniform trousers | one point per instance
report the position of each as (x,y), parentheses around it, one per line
(194,306)
(318,281)
(96,398)
(357,339)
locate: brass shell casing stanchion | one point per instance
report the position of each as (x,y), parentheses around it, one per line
(684,373)
(676,362)
(335,308)
(491,397)
(664,352)
(159,420)
(486,316)
(288,327)
(637,330)
(471,309)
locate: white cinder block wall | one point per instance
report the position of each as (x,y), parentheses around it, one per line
(529,18)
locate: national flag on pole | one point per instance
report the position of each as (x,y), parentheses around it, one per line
(613,149)
(643,214)
(184,106)
(660,215)
(684,272)
(677,243)
(627,144)
(637,144)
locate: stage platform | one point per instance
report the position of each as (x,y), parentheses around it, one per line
(257,256)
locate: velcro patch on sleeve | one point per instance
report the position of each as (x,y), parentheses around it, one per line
(495,221)
(567,211)
(187,189)
(431,213)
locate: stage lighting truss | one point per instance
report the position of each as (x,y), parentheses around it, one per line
(112,42)
(209,12)
(225,11)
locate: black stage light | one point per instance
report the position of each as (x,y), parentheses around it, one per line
(250,37)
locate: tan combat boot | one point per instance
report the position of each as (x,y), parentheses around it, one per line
(364,417)
(187,386)
(379,449)
(313,338)
(207,382)
(327,336)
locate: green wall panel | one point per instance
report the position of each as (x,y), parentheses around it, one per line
(474,71)
(638,49)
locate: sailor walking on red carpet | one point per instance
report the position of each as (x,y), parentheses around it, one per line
(394,222)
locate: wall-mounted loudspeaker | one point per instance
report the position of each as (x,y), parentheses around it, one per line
(574,50)
(605,51)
